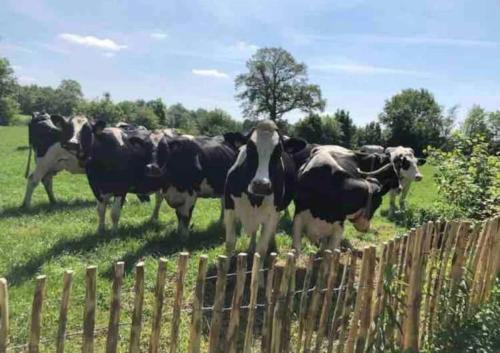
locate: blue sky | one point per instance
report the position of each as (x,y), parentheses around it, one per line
(359,52)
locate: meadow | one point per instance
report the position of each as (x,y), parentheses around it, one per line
(50,239)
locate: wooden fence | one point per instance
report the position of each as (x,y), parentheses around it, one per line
(437,274)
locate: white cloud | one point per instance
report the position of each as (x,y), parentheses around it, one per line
(26,79)
(246,47)
(158,35)
(358,69)
(91,41)
(16,67)
(108,55)
(209,73)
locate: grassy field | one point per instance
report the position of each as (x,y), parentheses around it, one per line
(48,240)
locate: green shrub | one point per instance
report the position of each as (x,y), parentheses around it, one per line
(8,110)
(467,178)
(478,333)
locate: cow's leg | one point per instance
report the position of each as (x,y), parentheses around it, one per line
(48,185)
(42,169)
(392,202)
(268,231)
(184,213)
(336,236)
(101,213)
(253,243)
(230,223)
(156,210)
(298,225)
(116,210)
(221,217)
(404,193)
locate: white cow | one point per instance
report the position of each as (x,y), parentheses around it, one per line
(409,173)
(55,140)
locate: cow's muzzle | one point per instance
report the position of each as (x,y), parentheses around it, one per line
(419,177)
(261,187)
(153,170)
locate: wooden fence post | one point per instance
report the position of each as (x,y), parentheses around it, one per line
(272,289)
(290,296)
(347,304)
(379,296)
(477,266)
(114,308)
(220,294)
(154,339)
(280,308)
(312,313)
(303,299)
(4,315)
(327,300)
(199,293)
(338,303)
(254,290)
(179,292)
(365,317)
(354,325)
(36,315)
(89,313)
(492,264)
(136,328)
(234,321)
(412,321)
(63,311)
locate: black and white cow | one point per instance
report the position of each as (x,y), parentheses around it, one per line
(260,185)
(409,172)
(331,188)
(116,162)
(191,167)
(55,141)
(371,149)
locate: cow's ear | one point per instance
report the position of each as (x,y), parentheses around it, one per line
(235,139)
(294,145)
(58,120)
(412,150)
(98,126)
(421,161)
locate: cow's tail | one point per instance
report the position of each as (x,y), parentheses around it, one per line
(27,172)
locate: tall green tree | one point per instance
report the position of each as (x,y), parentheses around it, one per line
(413,118)
(370,134)
(215,122)
(181,118)
(160,109)
(8,105)
(68,96)
(316,129)
(276,84)
(347,128)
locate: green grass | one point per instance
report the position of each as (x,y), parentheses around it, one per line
(48,240)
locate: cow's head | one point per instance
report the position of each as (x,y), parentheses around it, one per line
(372,192)
(405,156)
(70,130)
(159,151)
(264,149)
(388,174)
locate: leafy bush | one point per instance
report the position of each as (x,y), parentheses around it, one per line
(479,333)
(8,110)
(467,178)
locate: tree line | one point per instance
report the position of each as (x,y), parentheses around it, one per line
(274,85)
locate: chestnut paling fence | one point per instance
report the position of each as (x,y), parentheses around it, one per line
(436,275)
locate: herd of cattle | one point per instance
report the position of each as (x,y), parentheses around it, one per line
(256,175)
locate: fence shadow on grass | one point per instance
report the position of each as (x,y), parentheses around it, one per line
(172,243)
(86,243)
(45,208)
